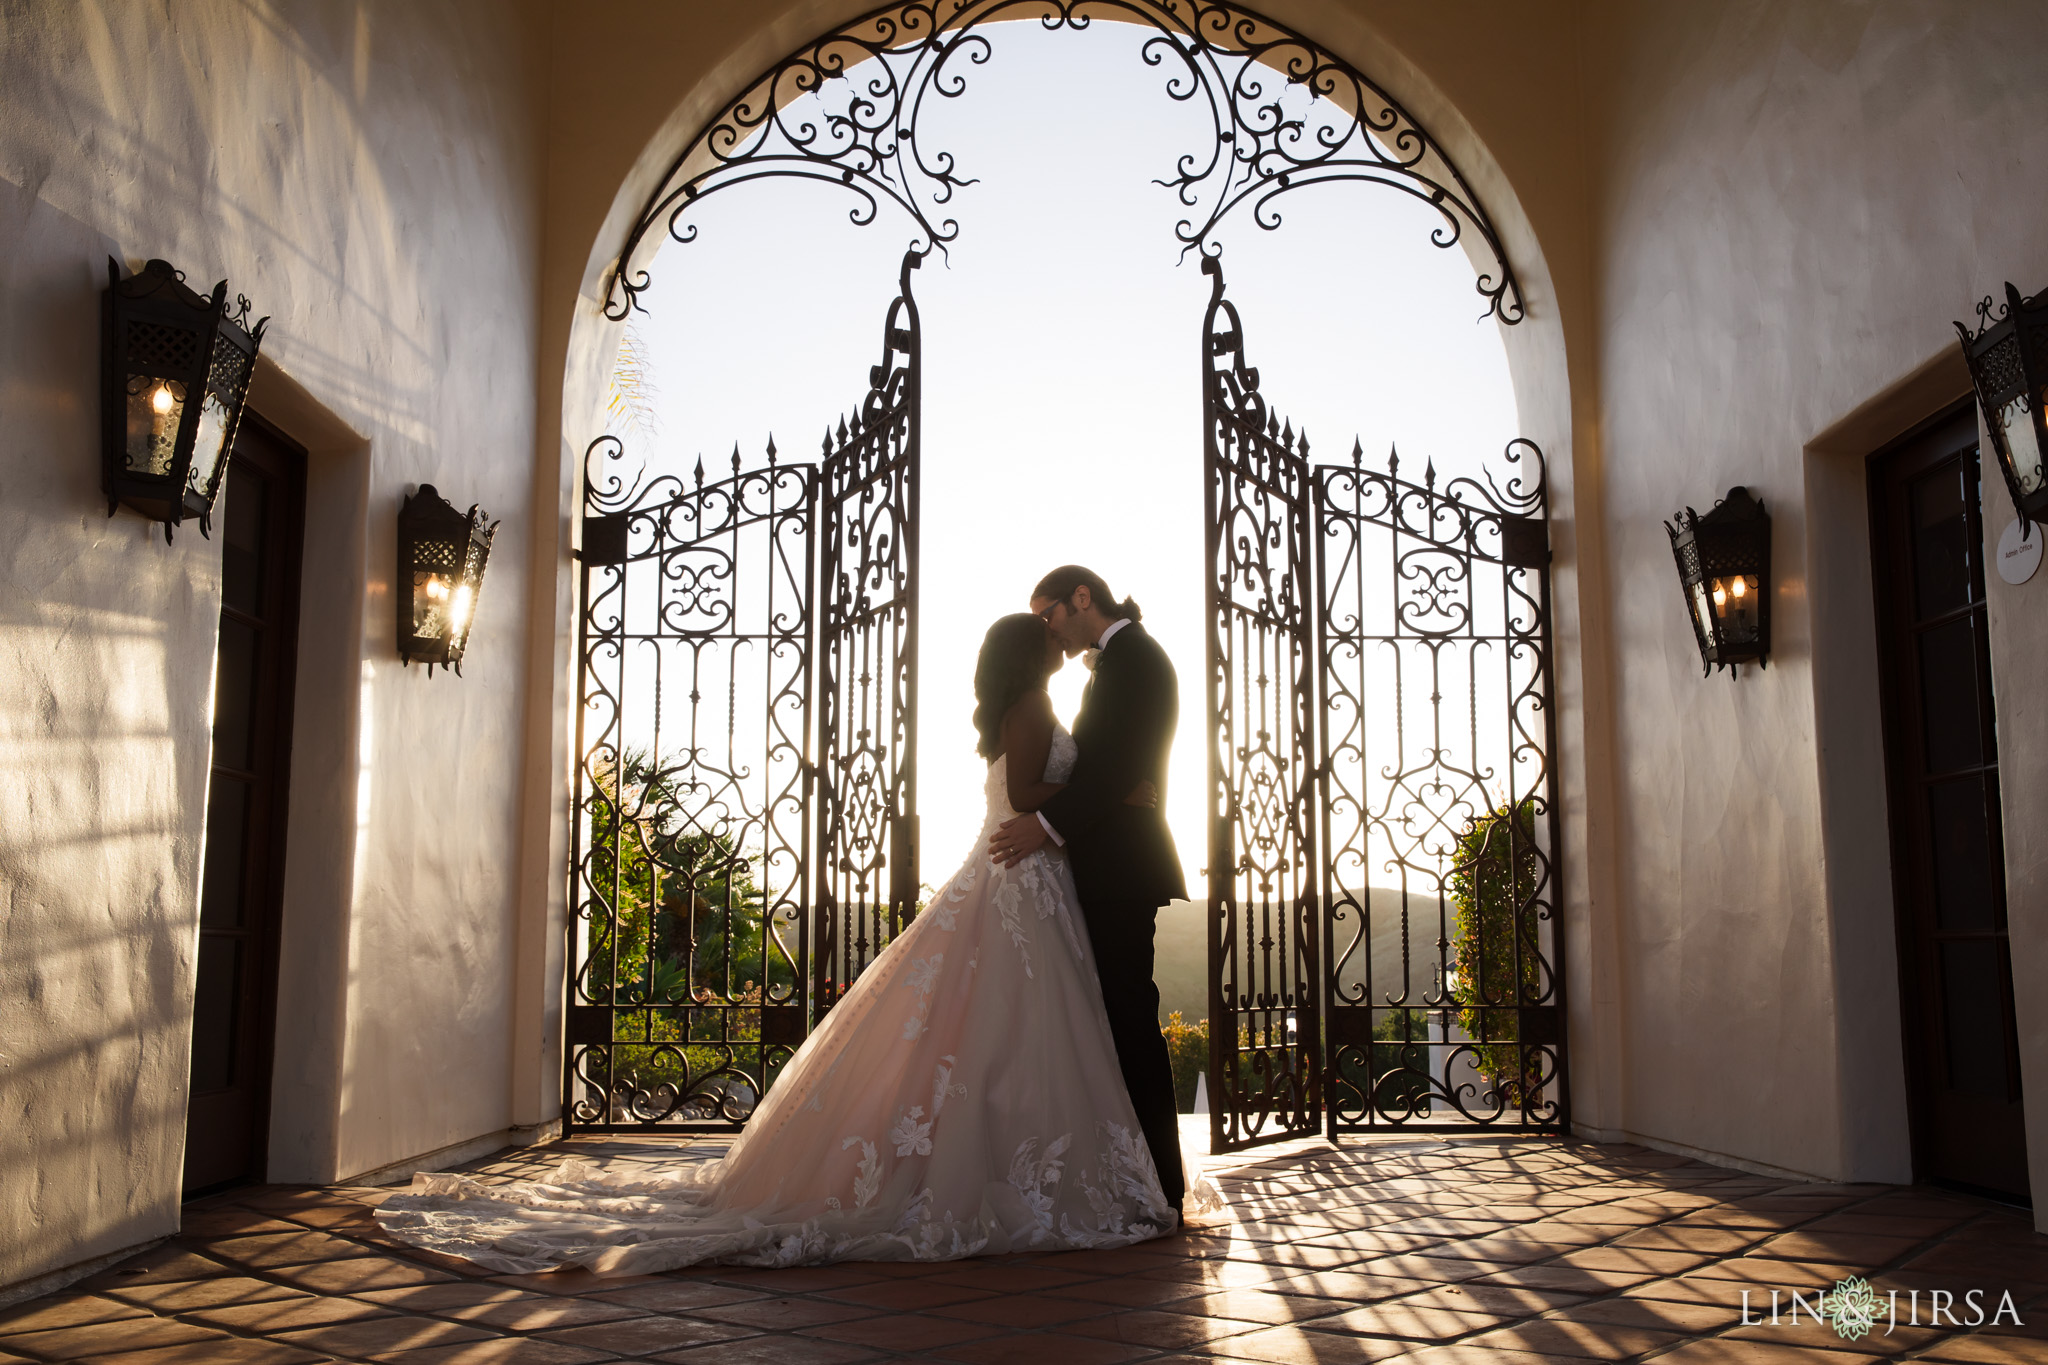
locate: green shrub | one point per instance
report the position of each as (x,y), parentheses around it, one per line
(1187,1047)
(688,929)
(1493,886)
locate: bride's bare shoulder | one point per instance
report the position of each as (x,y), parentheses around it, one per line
(1035,703)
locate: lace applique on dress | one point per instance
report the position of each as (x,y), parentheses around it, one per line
(868,1179)
(921,978)
(1009,898)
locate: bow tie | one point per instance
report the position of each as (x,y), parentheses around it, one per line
(1088,658)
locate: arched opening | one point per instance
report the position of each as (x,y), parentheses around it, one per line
(838,785)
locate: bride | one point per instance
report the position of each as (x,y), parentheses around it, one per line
(962,1099)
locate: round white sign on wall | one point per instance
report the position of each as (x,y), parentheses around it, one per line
(2018,555)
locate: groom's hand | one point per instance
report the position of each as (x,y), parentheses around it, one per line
(1015,840)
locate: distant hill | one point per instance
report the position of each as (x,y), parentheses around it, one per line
(1181,964)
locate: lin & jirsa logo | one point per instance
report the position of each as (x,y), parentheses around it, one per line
(1854,1308)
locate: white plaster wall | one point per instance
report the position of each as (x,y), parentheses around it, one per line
(369,174)
(1795,200)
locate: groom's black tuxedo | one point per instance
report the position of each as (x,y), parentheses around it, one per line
(1125,865)
(1124,731)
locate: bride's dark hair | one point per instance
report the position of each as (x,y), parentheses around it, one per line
(1011,663)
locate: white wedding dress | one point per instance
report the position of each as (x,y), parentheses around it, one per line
(963,1098)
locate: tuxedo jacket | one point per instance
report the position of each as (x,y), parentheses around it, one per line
(1119,853)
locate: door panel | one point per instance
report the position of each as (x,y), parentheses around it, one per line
(1948,859)
(234,1002)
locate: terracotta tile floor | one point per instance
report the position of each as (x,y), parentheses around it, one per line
(1511,1252)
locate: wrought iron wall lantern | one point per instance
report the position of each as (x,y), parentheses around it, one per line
(175,373)
(2008,358)
(1724,568)
(441,558)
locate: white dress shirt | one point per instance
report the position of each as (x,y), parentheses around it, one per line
(1101,643)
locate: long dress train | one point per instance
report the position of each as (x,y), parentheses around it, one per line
(963,1098)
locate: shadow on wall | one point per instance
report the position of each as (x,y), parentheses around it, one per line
(1181,961)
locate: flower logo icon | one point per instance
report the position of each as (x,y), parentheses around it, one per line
(1852,1308)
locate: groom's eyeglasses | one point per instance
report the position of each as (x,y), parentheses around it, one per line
(1046,615)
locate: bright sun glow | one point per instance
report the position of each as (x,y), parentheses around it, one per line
(1062,407)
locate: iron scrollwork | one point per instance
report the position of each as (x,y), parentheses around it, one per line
(846,110)
(1264,1026)
(733,868)
(1439,799)
(867,830)
(690,886)
(1383,880)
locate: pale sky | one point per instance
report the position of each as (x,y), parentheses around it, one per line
(1062,401)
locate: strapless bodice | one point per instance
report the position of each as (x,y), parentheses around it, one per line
(1059,766)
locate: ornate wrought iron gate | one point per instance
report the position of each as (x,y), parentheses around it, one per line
(1383,845)
(867,821)
(746,807)
(1334,595)
(1263,1028)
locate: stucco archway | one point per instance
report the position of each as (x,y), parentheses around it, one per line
(1537,357)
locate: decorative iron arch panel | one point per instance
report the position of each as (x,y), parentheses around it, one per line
(846,110)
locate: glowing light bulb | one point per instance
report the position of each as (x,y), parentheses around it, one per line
(437,589)
(1739,587)
(161,400)
(1720,595)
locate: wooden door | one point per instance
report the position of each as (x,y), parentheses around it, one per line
(234,1006)
(1948,859)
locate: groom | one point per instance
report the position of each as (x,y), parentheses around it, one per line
(1124,863)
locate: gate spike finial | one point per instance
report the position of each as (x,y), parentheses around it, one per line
(700,471)
(842,428)
(1429,474)
(771,450)
(827,447)
(1287,437)
(1272,424)
(1304,443)
(1393,458)
(735,457)
(1357,452)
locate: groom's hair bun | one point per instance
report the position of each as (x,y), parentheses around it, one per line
(1059,585)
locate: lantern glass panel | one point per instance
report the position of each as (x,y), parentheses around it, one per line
(211,444)
(2023,444)
(460,608)
(1703,608)
(156,407)
(226,382)
(1735,599)
(436,600)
